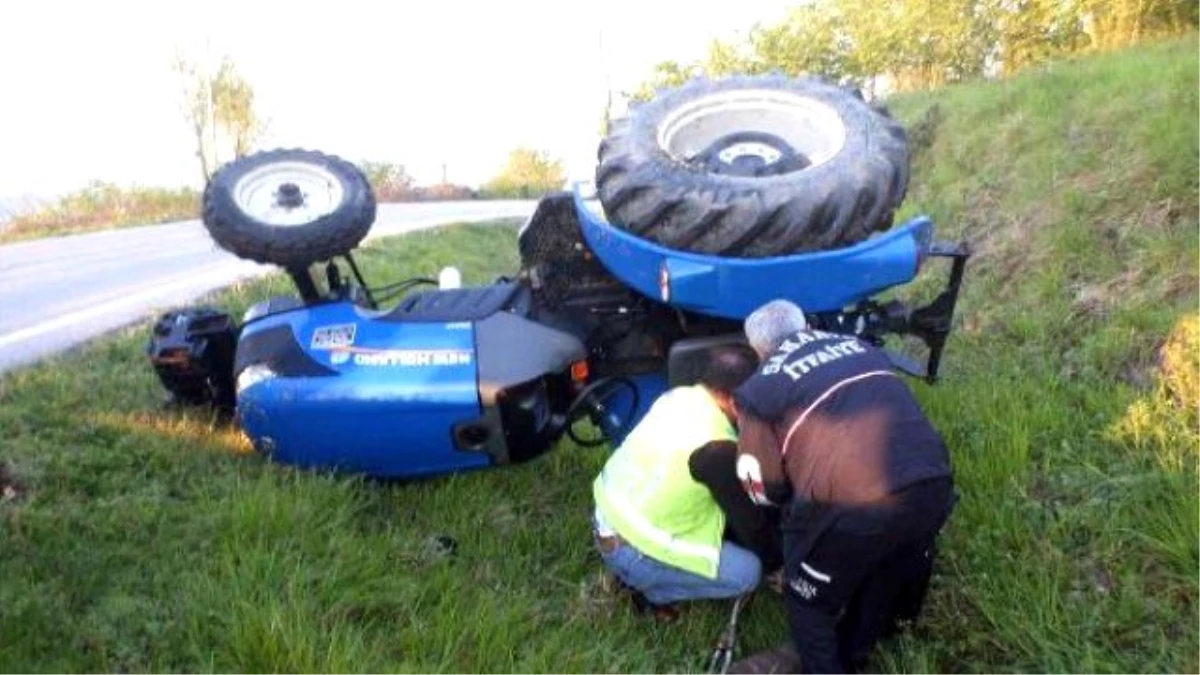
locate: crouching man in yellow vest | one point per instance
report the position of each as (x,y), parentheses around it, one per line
(665,497)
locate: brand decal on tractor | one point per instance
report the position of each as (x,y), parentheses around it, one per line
(401,357)
(330,337)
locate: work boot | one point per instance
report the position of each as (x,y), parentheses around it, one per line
(660,613)
(782,659)
(641,604)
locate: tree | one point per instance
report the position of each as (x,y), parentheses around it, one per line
(726,59)
(219,108)
(917,44)
(1116,23)
(666,74)
(233,109)
(529,173)
(390,182)
(197,103)
(811,41)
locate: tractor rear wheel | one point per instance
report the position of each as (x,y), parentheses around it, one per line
(754,167)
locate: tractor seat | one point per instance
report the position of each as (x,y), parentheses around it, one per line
(457,304)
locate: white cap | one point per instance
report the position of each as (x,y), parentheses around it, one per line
(449,278)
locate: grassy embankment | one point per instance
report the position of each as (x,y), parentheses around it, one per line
(102,206)
(154,541)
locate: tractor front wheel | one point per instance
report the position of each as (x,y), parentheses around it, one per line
(290,208)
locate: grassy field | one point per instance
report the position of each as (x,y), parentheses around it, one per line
(156,541)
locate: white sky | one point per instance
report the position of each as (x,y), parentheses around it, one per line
(87,89)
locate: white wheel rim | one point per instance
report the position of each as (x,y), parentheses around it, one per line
(257,193)
(811,127)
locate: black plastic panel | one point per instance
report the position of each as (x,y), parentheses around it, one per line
(459,304)
(192,354)
(528,420)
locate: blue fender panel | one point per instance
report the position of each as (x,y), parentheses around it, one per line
(734,287)
(390,406)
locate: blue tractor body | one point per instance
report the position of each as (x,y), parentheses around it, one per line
(723,195)
(595,326)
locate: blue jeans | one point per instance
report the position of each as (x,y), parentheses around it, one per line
(738,572)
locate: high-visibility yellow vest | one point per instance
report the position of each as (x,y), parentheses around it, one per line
(646,492)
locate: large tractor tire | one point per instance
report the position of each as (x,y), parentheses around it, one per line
(290,208)
(754,167)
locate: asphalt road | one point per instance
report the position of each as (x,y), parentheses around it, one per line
(57,293)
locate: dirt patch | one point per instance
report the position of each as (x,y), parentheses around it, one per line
(1096,299)
(1002,241)
(1158,216)
(1102,580)
(1178,286)
(1138,374)
(12,487)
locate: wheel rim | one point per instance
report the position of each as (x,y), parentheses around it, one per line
(808,127)
(288,194)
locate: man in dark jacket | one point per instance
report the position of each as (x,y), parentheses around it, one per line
(831,433)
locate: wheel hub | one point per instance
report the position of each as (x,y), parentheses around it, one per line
(289,196)
(765,154)
(750,154)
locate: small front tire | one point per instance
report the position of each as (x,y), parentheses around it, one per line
(291,208)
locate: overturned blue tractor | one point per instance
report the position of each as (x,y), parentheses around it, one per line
(713,198)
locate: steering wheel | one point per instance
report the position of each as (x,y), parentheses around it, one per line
(591,401)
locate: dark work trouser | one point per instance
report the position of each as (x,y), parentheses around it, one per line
(864,570)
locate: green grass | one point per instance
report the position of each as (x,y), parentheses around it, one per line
(155,541)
